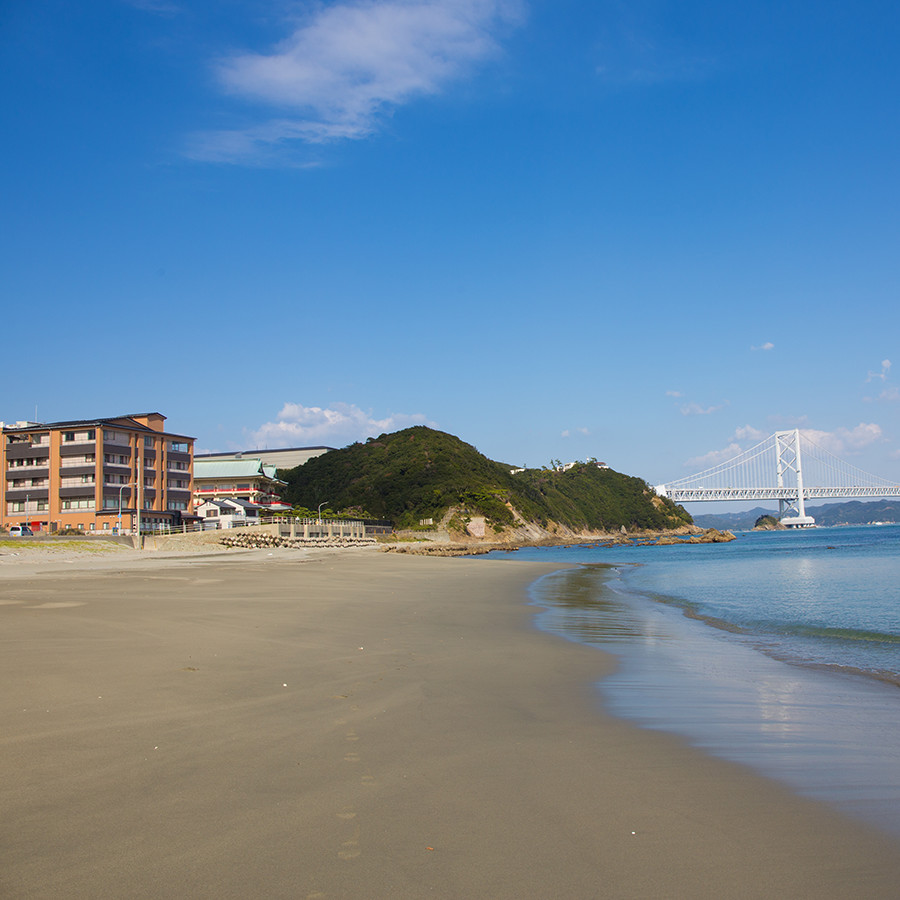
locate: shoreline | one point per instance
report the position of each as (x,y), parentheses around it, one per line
(358,724)
(745,703)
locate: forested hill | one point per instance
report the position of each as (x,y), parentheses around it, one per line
(420,473)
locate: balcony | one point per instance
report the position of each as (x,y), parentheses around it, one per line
(83,492)
(77,448)
(13,494)
(23,450)
(27,472)
(118,468)
(75,471)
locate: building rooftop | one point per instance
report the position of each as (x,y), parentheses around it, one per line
(130,420)
(232,468)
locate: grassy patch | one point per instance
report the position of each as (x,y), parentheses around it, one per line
(63,545)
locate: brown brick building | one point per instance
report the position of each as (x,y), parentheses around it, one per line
(95,475)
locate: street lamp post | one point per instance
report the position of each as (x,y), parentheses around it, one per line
(319,519)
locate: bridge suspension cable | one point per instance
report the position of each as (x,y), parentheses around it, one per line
(787,466)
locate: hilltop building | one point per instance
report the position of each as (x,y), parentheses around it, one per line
(95,475)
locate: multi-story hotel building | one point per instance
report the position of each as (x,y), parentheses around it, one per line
(96,475)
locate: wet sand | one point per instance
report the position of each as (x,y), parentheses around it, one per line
(360,725)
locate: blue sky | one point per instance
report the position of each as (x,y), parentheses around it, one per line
(645,231)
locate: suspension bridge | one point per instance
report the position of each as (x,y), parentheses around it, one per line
(788,467)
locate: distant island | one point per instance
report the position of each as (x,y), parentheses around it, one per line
(853,512)
(421,479)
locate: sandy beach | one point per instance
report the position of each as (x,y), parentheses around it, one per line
(355,724)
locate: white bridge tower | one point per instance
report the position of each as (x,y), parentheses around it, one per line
(787,449)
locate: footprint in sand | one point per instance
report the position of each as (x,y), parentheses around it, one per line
(351,757)
(349,850)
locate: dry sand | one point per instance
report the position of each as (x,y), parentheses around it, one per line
(360,725)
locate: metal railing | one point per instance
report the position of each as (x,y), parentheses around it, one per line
(300,526)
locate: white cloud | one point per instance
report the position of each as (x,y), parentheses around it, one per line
(883,374)
(846,440)
(749,433)
(890,394)
(339,425)
(695,409)
(768,345)
(673,394)
(350,63)
(715,457)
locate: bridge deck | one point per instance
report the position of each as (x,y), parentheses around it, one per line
(687,495)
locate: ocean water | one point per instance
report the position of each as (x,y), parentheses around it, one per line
(779,650)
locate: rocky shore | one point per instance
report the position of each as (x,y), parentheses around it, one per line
(422,547)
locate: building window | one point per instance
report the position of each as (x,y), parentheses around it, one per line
(79,503)
(148,504)
(177,504)
(178,446)
(148,441)
(68,436)
(17,506)
(42,505)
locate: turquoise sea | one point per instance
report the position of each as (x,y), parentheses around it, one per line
(779,650)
